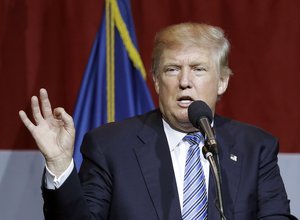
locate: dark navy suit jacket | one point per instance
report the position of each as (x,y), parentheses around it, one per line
(127,173)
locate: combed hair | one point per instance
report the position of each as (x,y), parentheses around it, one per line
(193,34)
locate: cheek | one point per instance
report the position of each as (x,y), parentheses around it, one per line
(167,86)
(207,83)
(167,94)
(207,88)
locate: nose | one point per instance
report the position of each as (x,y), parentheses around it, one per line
(184,79)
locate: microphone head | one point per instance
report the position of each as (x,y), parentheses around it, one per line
(197,110)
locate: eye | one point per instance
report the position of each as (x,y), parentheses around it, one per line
(200,68)
(171,70)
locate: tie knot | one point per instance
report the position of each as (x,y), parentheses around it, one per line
(193,138)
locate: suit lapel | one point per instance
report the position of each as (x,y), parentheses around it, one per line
(155,162)
(156,166)
(230,163)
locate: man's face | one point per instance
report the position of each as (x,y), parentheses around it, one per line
(186,74)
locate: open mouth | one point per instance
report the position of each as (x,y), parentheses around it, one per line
(185,100)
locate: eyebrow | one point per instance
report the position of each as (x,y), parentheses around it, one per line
(191,64)
(198,64)
(166,65)
(171,64)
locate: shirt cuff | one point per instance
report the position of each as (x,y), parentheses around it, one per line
(53,182)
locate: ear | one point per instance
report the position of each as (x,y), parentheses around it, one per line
(222,84)
(156,82)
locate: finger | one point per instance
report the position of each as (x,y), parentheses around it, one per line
(45,102)
(62,115)
(36,112)
(29,125)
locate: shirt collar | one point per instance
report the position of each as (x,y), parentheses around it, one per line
(173,136)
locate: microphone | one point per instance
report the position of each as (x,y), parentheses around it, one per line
(200,115)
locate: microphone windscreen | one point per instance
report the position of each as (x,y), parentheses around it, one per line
(197,110)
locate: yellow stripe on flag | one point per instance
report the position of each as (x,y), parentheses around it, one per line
(129,45)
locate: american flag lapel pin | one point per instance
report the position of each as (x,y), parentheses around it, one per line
(233,157)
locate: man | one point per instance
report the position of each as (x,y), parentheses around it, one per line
(137,169)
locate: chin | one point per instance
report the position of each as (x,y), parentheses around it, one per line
(183,119)
(186,127)
(183,116)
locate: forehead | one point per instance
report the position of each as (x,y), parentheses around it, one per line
(186,54)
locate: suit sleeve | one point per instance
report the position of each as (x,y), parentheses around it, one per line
(83,196)
(272,198)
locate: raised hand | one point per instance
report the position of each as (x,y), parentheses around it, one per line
(53,132)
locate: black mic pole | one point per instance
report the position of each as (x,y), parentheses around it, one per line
(208,151)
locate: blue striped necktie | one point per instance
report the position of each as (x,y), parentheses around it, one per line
(194,188)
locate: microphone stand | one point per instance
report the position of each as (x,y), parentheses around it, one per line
(209,150)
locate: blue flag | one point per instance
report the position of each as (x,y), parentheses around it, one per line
(114,83)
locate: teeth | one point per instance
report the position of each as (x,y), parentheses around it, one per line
(185,101)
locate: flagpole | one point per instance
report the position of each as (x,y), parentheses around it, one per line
(110,64)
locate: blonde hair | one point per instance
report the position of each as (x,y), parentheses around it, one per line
(193,34)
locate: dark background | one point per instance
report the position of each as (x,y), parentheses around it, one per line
(47,44)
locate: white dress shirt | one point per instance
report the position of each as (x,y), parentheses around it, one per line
(53,182)
(178,150)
